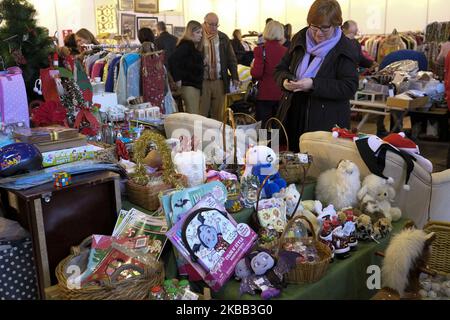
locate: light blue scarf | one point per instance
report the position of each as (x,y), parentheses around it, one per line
(319,51)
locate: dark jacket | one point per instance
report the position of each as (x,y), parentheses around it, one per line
(243,57)
(363,62)
(228,61)
(335,84)
(264,68)
(186,64)
(168,43)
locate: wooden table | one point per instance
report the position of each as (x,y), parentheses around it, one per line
(58,219)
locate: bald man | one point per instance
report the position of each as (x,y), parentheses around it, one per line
(350,29)
(219,60)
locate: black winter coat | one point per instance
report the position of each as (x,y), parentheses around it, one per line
(168,43)
(186,64)
(335,84)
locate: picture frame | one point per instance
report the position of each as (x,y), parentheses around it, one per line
(148,22)
(128,25)
(169,28)
(126,5)
(178,31)
(146,6)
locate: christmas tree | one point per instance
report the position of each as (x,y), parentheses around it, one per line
(22,42)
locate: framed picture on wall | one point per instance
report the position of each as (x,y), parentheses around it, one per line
(126,5)
(128,25)
(146,6)
(148,22)
(178,31)
(169,28)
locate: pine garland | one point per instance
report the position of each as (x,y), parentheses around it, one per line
(72,99)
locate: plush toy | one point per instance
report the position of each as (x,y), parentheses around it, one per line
(400,141)
(382,228)
(375,196)
(260,161)
(260,271)
(339,186)
(291,196)
(364,227)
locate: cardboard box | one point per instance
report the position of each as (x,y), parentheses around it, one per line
(407,104)
(54,158)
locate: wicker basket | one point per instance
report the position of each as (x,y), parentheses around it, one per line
(148,197)
(290,170)
(440,254)
(308,272)
(136,288)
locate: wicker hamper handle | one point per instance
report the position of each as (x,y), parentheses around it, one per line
(273,119)
(289,224)
(245,115)
(228,116)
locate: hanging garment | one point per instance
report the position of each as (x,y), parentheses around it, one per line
(83,82)
(134,78)
(109,86)
(153,78)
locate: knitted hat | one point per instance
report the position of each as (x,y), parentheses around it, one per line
(373,152)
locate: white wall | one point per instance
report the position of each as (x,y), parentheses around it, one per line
(373,16)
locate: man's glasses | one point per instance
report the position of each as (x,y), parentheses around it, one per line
(213,25)
(324,29)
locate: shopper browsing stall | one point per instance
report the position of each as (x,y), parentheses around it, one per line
(219,60)
(165,41)
(186,66)
(319,75)
(267,57)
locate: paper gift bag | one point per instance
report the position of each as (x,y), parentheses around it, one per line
(13,97)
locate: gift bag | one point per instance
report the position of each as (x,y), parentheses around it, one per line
(193,165)
(13,97)
(17,271)
(153,78)
(49,85)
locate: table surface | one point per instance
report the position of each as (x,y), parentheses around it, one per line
(345,279)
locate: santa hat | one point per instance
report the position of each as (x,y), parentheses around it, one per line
(400,141)
(373,152)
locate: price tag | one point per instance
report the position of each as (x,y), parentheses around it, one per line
(303,158)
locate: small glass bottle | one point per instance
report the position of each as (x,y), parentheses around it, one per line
(157,293)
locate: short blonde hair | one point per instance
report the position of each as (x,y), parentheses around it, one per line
(273,31)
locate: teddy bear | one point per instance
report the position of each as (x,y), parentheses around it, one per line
(364,227)
(375,196)
(382,228)
(339,186)
(260,161)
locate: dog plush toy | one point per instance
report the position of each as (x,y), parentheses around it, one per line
(260,161)
(376,196)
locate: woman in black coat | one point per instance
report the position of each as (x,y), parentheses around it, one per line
(318,75)
(187,67)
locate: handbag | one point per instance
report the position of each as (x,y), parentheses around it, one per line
(253,87)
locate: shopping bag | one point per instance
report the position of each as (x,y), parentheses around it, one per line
(13,97)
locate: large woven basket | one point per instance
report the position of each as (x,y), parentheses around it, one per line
(440,253)
(308,272)
(290,169)
(135,288)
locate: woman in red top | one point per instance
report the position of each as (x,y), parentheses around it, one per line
(267,58)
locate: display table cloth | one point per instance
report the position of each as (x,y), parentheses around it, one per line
(345,279)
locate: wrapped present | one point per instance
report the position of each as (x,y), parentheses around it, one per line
(62,179)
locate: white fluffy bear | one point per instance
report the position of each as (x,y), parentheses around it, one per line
(376,196)
(339,186)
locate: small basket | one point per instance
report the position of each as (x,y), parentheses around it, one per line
(107,154)
(289,169)
(440,254)
(136,288)
(147,197)
(308,272)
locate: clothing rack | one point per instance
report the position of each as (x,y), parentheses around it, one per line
(112,46)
